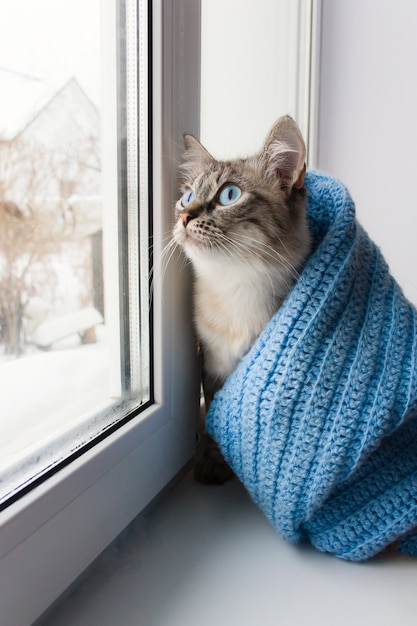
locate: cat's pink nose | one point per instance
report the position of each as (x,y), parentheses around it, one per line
(185,218)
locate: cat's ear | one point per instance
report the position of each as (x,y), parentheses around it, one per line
(195,152)
(283,155)
(196,157)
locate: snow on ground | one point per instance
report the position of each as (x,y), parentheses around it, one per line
(46,391)
(52,330)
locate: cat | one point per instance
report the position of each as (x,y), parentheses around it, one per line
(242,224)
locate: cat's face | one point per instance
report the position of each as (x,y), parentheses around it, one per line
(233,210)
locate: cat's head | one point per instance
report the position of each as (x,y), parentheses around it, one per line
(231,210)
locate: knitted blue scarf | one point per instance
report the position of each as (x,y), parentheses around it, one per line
(319,420)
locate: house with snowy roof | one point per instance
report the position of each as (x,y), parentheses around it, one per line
(50,175)
(63,122)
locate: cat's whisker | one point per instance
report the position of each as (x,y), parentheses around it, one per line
(255,254)
(261,250)
(230,247)
(160,266)
(271,256)
(271,253)
(151,278)
(166,256)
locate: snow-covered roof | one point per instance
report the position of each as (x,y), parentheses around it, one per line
(23,96)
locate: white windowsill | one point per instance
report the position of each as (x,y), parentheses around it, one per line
(206,555)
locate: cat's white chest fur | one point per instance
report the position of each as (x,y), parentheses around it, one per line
(233,303)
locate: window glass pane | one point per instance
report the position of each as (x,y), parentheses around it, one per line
(75,357)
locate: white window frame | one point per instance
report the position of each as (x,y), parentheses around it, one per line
(50,535)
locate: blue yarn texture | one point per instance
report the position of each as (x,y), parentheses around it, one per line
(319,419)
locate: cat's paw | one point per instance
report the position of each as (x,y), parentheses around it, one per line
(210,468)
(211,472)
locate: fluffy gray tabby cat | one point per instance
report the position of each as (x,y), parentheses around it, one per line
(242,223)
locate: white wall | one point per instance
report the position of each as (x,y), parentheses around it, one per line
(251,70)
(368,120)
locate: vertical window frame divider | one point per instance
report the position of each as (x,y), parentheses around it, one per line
(122,198)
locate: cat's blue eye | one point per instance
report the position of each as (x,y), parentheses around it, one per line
(229,195)
(187,197)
